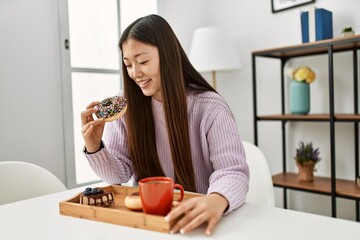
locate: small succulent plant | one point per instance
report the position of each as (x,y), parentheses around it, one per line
(307,153)
(347,29)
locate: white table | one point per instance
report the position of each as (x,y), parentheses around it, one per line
(39,218)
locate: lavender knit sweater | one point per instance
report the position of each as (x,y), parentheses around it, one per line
(217,152)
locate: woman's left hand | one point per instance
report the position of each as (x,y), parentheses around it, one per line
(196,211)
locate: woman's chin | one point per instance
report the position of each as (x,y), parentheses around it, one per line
(147,93)
(151,93)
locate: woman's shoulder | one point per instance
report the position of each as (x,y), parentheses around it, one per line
(205,97)
(208,101)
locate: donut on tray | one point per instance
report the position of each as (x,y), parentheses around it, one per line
(133,201)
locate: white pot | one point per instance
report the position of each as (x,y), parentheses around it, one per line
(348,34)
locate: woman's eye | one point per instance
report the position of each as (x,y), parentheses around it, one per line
(144,62)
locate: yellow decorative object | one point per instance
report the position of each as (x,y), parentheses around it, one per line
(303,74)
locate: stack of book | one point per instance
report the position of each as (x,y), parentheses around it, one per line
(316,24)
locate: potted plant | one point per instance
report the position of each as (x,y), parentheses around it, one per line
(301,78)
(348,31)
(306,158)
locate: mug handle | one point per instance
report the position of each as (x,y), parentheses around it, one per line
(178,186)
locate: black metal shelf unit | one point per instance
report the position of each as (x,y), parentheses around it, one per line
(325,47)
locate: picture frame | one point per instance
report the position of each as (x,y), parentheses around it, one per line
(282,5)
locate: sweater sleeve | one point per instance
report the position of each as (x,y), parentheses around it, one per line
(113,163)
(227,155)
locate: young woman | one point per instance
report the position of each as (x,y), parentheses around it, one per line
(176,125)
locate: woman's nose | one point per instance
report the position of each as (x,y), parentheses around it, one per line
(136,72)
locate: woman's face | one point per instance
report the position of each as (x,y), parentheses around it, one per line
(143,66)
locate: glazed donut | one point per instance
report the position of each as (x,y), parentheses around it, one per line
(133,201)
(111,108)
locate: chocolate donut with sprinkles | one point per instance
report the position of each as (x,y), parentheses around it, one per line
(111,108)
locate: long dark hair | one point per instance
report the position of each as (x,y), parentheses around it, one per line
(180,75)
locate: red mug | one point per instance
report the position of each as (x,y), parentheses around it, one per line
(157,194)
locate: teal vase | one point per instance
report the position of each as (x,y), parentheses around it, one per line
(299,97)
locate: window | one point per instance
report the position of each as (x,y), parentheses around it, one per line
(91,66)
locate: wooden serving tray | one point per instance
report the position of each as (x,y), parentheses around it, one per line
(118,213)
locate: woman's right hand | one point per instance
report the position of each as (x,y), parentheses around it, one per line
(92,130)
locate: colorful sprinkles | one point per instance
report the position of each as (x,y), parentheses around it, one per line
(111,106)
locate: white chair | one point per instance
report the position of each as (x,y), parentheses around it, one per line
(22,180)
(261,190)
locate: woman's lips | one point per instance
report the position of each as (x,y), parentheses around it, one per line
(143,83)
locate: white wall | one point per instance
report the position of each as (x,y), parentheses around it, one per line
(184,17)
(30,81)
(30,89)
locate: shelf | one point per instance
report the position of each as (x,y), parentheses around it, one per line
(344,188)
(311,117)
(313,48)
(321,185)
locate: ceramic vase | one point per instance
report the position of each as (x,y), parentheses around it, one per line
(299,97)
(306,171)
